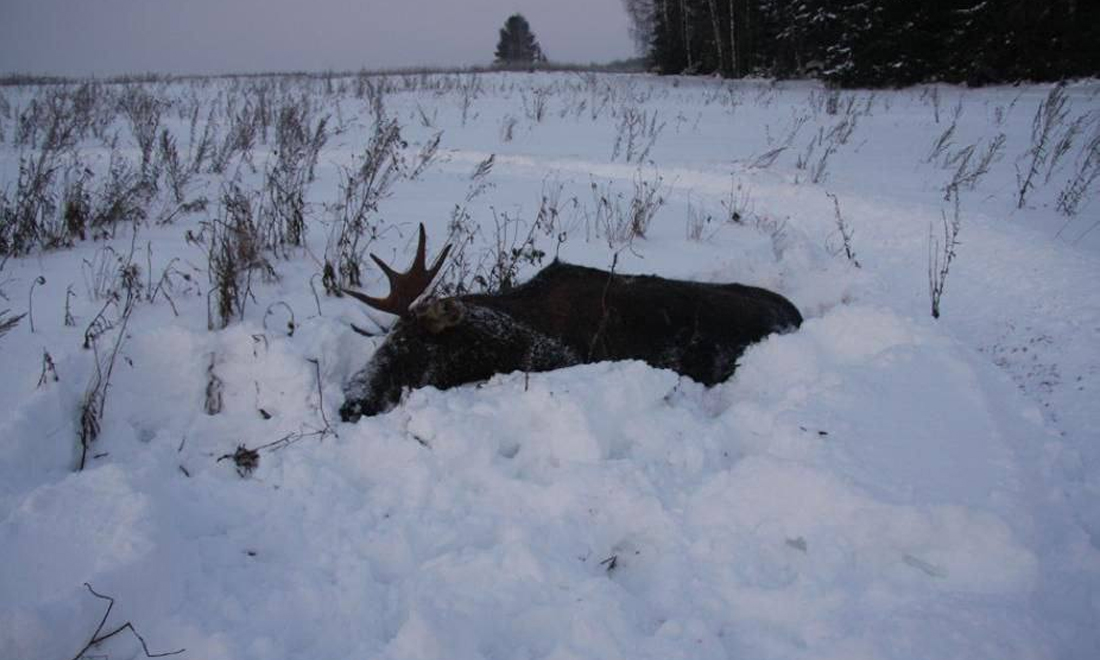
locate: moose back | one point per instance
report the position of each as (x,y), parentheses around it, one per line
(564,315)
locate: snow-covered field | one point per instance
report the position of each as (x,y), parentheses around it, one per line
(878,484)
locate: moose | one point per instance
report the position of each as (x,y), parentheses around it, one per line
(565,315)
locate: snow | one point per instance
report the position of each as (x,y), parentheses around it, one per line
(877,484)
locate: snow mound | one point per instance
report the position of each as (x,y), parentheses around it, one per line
(607,510)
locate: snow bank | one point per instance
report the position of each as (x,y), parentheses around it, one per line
(844,494)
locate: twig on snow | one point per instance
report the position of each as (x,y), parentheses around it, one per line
(98,637)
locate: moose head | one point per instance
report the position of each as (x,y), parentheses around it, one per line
(564,315)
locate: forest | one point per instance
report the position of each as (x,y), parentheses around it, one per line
(871,43)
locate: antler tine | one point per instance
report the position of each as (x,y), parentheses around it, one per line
(391,274)
(419,264)
(377,303)
(405,287)
(438,262)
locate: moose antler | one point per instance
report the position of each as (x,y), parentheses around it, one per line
(405,287)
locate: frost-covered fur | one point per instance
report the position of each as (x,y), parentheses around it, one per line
(487,342)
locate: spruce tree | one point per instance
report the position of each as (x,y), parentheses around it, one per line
(517,43)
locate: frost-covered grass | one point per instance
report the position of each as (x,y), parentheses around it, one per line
(878,484)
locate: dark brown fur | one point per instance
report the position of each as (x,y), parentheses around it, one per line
(569,315)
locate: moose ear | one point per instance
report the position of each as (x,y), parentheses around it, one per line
(439,315)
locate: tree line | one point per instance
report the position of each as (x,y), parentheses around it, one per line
(872,42)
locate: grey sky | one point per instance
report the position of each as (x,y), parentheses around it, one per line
(79,37)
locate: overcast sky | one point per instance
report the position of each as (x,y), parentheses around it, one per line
(102,37)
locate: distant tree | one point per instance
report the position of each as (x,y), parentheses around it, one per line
(517,43)
(668,50)
(642,15)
